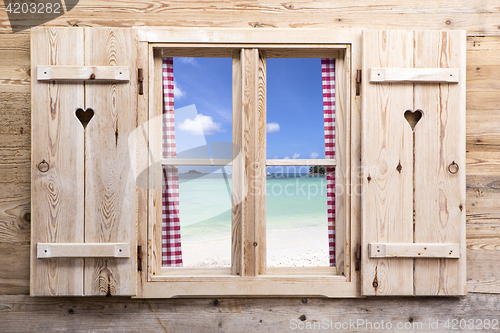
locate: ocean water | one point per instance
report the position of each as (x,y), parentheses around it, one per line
(296,218)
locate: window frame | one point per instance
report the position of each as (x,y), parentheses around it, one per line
(258,280)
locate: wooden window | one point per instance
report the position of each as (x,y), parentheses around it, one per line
(400,157)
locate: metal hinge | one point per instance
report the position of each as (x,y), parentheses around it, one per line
(139,258)
(357,256)
(358,82)
(140,78)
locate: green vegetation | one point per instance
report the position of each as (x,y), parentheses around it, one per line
(317,170)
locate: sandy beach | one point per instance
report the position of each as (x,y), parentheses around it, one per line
(299,247)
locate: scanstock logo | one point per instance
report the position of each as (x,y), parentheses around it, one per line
(25,14)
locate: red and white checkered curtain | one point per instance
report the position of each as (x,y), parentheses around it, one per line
(171,225)
(328,79)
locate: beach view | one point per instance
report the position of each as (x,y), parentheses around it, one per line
(296,220)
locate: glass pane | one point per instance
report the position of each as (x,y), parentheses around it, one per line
(204,215)
(299,233)
(197,124)
(202,94)
(295,126)
(296,218)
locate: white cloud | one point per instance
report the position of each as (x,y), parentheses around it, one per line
(178,92)
(273,127)
(296,155)
(200,125)
(286,157)
(189,61)
(275,157)
(314,155)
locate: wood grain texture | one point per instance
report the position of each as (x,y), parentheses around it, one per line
(88,73)
(483,195)
(110,194)
(260,172)
(249,148)
(15,218)
(15,215)
(57,138)
(414,75)
(83,250)
(22,313)
(482,209)
(15,64)
(14,276)
(483,263)
(239,189)
(387,159)
(15,127)
(143,161)
(478,17)
(440,140)
(15,165)
(342,170)
(155,127)
(482,135)
(414,250)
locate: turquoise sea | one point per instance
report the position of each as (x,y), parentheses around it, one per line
(294,203)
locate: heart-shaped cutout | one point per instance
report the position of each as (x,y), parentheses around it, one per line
(84,116)
(412,117)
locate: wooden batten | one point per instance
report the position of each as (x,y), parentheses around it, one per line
(429,75)
(413,250)
(87,73)
(83,250)
(196,161)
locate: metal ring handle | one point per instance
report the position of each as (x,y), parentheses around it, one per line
(43,166)
(453,168)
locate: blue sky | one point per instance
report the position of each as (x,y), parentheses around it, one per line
(203,103)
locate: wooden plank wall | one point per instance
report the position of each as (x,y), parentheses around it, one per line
(481,19)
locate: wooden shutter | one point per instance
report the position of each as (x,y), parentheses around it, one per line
(83,190)
(413,199)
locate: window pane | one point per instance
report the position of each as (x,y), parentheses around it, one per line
(300,122)
(203,216)
(197,124)
(296,218)
(202,95)
(295,125)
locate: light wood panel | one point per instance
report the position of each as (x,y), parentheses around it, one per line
(239,186)
(196,161)
(387,160)
(58,139)
(23,313)
(110,195)
(143,163)
(343,114)
(260,172)
(155,127)
(15,129)
(439,203)
(77,73)
(414,250)
(249,148)
(478,17)
(414,75)
(485,206)
(83,250)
